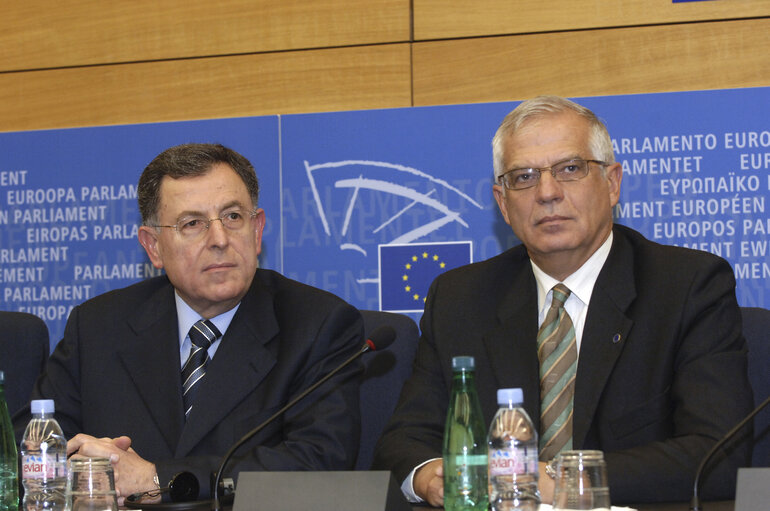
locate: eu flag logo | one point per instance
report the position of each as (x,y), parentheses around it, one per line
(407,271)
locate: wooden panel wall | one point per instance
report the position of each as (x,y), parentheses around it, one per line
(445,19)
(353,78)
(659,58)
(38,34)
(89,62)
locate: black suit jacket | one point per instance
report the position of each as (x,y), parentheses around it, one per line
(24,348)
(661,370)
(117,372)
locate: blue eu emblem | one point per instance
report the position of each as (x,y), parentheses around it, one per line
(407,271)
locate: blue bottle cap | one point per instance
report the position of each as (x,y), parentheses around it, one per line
(510,397)
(42,406)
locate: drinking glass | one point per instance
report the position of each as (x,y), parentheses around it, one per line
(581,481)
(91,485)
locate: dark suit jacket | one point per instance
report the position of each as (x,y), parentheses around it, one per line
(661,371)
(117,372)
(24,348)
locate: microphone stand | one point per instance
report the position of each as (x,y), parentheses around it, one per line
(368,346)
(695,502)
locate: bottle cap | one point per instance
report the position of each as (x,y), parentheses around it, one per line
(463,363)
(42,406)
(510,397)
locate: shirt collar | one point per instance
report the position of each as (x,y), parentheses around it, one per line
(580,283)
(186,317)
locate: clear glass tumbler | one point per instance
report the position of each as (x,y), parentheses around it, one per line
(581,481)
(91,485)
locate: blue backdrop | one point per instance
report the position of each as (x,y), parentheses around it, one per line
(371,205)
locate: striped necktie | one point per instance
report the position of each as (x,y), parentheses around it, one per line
(202,334)
(557,352)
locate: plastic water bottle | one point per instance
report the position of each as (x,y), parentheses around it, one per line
(513,469)
(9,469)
(43,460)
(464,453)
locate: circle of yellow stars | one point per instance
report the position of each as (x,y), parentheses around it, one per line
(414,260)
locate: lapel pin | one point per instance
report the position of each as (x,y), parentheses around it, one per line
(615,338)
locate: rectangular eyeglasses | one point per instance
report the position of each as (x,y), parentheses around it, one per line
(567,170)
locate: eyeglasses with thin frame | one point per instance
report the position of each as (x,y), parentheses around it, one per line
(567,170)
(192,227)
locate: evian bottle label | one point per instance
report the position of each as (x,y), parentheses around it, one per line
(509,462)
(38,467)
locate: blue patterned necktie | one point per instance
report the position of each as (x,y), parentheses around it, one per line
(202,334)
(557,352)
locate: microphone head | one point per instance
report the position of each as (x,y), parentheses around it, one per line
(184,487)
(382,337)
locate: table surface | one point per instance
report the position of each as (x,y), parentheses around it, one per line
(673,506)
(685,506)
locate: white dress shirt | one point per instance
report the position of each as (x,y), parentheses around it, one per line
(581,284)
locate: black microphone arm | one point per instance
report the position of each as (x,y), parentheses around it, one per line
(695,502)
(381,338)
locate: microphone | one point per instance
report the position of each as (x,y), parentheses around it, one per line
(183,487)
(695,502)
(381,338)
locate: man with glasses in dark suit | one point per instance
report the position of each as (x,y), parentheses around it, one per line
(166,375)
(619,344)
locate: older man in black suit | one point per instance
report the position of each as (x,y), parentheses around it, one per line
(661,371)
(166,375)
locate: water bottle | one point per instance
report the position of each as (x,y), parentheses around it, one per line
(43,460)
(464,453)
(513,468)
(9,468)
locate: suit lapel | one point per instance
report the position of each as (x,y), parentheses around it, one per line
(512,343)
(605,333)
(241,363)
(149,354)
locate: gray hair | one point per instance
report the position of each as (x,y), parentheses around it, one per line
(542,106)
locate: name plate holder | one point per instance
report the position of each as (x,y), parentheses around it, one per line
(340,491)
(753,490)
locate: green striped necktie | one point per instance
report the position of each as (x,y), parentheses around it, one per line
(557,352)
